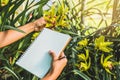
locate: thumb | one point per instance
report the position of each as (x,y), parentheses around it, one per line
(53,55)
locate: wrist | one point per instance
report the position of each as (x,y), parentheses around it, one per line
(33,26)
(38,26)
(50,76)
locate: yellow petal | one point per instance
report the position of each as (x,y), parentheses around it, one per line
(107,58)
(107,64)
(109,71)
(4,2)
(102,56)
(48,25)
(105,49)
(87,54)
(83,66)
(83,42)
(82,56)
(89,64)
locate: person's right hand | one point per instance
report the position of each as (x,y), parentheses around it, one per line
(58,64)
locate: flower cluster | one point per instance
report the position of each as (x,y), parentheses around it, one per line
(84,65)
(56,16)
(100,45)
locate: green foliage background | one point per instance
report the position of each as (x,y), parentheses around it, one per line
(88,19)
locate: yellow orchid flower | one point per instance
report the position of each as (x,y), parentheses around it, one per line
(50,17)
(62,23)
(35,35)
(4,2)
(83,43)
(83,56)
(108,65)
(62,9)
(85,66)
(102,45)
(56,16)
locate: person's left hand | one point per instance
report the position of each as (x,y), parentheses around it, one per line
(39,24)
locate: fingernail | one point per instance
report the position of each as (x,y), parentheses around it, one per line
(50,51)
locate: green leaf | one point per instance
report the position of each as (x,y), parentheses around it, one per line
(14,8)
(35,78)
(81,74)
(11,71)
(2,57)
(13,28)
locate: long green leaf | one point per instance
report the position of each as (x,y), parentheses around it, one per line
(40,3)
(35,78)
(81,74)
(13,28)
(16,6)
(11,71)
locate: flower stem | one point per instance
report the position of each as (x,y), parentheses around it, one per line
(96,67)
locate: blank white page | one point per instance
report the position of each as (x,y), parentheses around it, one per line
(36,58)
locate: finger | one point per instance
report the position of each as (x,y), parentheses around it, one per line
(63,60)
(43,20)
(62,57)
(40,22)
(62,54)
(52,53)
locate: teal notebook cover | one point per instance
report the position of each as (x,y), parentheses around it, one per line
(36,58)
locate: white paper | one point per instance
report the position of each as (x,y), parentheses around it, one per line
(36,58)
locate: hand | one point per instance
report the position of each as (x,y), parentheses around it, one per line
(39,24)
(58,64)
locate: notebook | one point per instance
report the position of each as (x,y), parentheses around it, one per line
(36,58)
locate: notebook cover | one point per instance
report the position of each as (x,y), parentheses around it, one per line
(36,58)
